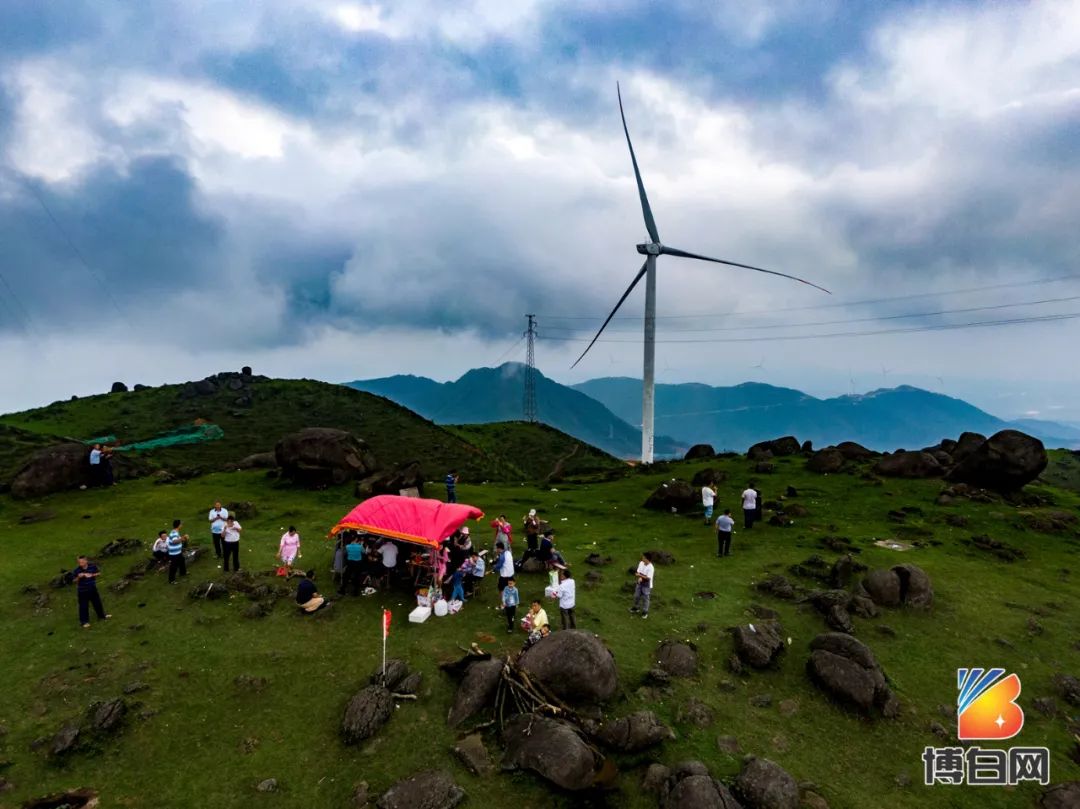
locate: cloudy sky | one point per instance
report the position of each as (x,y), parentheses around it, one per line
(345,190)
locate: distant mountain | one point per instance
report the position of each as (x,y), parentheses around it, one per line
(485,395)
(736,417)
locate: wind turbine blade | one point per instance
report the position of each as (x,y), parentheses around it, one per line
(625,295)
(650,223)
(674,251)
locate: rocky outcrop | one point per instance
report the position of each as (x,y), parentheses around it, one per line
(848,672)
(826,462)
(430,789)
(1005,462)
(675,496)
(321,456)
(635,732)
(904,464)
(759,645)
(678,658)
(62,467)
(902,585)
(553,749)
(699,451)
(366,713)
(776,448)
(763,784)
(405,476)
(476,691)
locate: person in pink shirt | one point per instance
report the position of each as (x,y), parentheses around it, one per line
(289,548)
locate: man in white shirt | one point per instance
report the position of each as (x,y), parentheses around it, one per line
(643,590)
(95,465)
(388,551)
(567,593)
(749,506)
(230,542)
(725,527)
(217,518)
(708,497)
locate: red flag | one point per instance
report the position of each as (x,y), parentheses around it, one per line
(385,623)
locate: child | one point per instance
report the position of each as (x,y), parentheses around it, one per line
(510,600)
(458,582)
(161,548)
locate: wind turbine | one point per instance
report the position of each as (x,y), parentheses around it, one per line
(652,250)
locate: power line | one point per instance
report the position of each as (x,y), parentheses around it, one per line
(908,330)
(18,310)
(875,319)
(75,249)
(836,305)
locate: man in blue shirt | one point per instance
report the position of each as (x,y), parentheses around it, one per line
(86,586)
(451,486)
(307,596)
(354,566)
(174,545)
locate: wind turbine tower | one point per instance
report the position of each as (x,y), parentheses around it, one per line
(652,250)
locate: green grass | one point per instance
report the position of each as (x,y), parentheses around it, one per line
(536,451)
(189,752)
(280,406)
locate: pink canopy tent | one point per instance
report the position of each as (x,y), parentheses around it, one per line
(412,519)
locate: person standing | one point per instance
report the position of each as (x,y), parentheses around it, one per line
(451,486)
(749,506)
(643,590)
(96,477)
(217,518)
(230,542)
(567,593)
(86,576)
(175,547)
(107,478)
(531,527)
(504,566)
(503,531)
(725,527)
(708,498)
(510,600)
(289,547)
(354,563)
(759,504)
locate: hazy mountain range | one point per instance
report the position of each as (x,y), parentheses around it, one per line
(602,412)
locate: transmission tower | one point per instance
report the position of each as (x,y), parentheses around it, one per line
(530,371)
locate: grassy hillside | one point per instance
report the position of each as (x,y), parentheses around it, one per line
(277,407)
(537,450)
(222,737)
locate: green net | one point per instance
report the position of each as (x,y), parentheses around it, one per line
(192,434)
(103,439)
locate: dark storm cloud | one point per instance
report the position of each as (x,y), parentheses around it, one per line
(141,235)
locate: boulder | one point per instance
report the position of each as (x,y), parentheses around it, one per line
(405,476)
(848,672)
(759,645)
(553,749)
(118,387)
(473,754)
(65,740)
(968,443)
(260,460)
(907,585)
(678,658)
(763,784)
(205,387)
(574,665)
(366,713)
(710,476)
(476,691)
(62,467)
(242,509)
(106,717)
(396,671)
(696,713)
(904,464)
(776,448)
(320,456)
(119,547)
(655,779)
(675,496)
(1005,462)
(699,451)
(854,452)
(826,461)
(430,789)
(691,787)
(1065,795)
(635,732)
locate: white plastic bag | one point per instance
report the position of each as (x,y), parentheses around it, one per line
(440,608)
(454,606)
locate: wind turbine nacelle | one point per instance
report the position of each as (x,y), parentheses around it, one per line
(649,249)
